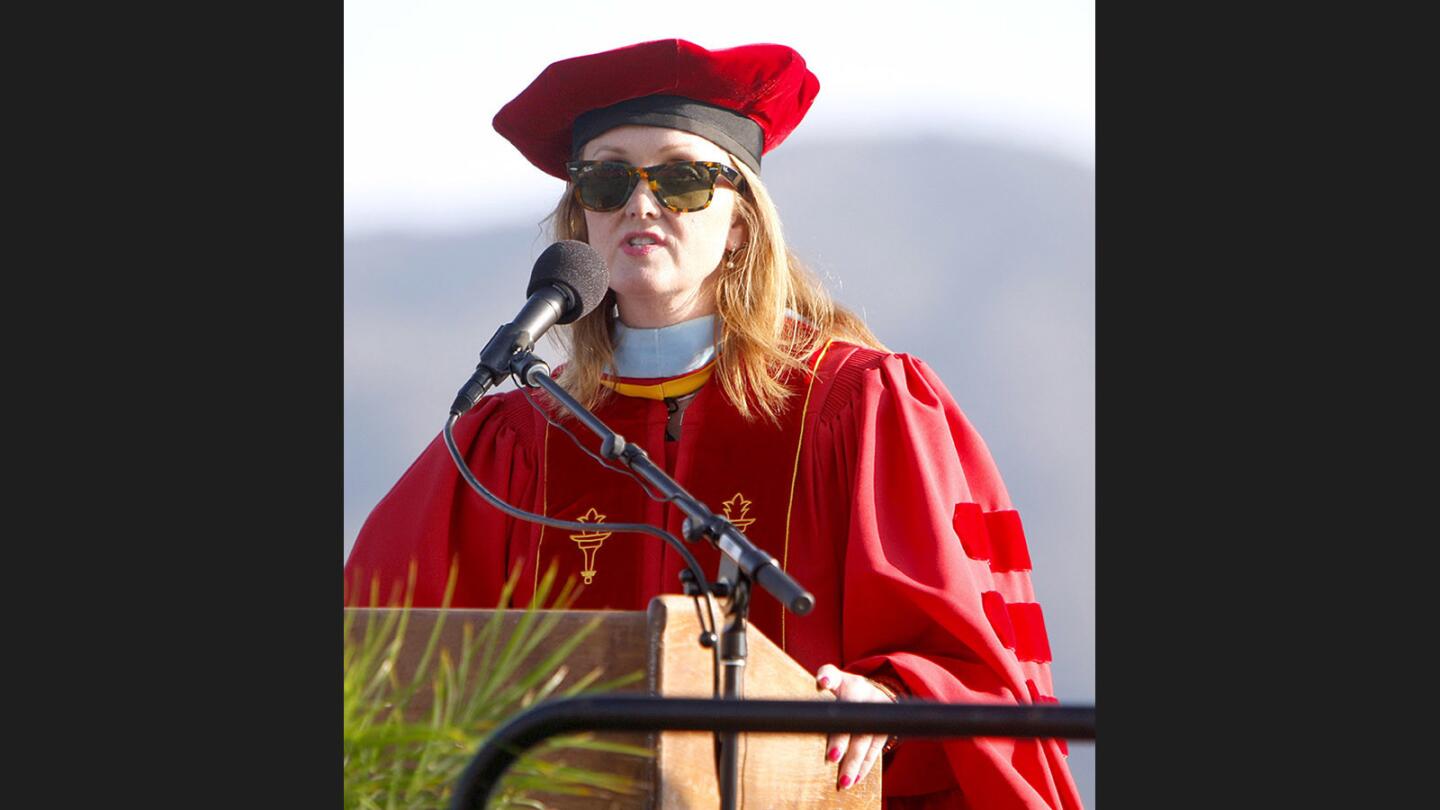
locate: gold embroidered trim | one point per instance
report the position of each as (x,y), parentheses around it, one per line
(544,506)
(678,387)
(795,474)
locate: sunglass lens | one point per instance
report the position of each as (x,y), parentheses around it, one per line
(686,186)
(604,188)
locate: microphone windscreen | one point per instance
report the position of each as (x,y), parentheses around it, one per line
(577,266)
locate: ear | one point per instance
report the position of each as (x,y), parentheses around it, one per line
(739,235)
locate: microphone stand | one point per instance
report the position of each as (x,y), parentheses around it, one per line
(742,563)
(733,652)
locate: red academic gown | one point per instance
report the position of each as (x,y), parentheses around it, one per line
(875,493)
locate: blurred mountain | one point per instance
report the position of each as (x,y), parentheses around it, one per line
(977,257)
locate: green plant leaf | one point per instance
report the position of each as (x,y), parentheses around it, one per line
(392,760)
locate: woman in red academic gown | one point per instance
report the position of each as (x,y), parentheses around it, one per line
(730,364)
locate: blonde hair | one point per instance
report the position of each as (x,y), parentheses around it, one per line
(756,344)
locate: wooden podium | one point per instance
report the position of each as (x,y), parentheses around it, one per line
(779,771)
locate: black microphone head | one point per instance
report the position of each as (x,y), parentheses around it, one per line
(575,267)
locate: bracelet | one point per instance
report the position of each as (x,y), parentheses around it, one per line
(889,691)
(886,688)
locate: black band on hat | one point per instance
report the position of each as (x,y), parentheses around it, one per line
(729,130)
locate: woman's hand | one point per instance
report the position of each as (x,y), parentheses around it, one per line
(855,753)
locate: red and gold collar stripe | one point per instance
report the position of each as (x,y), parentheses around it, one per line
(661,389)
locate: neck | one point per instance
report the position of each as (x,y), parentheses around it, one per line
(664,310)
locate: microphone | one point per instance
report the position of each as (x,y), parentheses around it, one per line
(568,282)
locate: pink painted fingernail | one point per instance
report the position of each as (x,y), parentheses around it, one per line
(825,681)
(845,781)
(834,755)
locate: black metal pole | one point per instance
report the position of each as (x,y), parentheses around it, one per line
(734,649)
(912,718)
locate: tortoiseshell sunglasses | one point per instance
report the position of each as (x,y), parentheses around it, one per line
(606,185)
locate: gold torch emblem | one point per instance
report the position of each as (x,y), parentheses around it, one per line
(741,507)
(589,542)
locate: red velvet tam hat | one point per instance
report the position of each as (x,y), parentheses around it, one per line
(746,99)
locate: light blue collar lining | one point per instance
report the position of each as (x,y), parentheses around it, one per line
(664,352)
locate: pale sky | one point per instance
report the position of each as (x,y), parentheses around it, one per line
(424,78)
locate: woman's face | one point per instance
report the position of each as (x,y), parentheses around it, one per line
(670,280)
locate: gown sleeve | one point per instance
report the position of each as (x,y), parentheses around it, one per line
(431,518)
(937,593)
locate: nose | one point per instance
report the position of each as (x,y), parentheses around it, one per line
(642,203)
